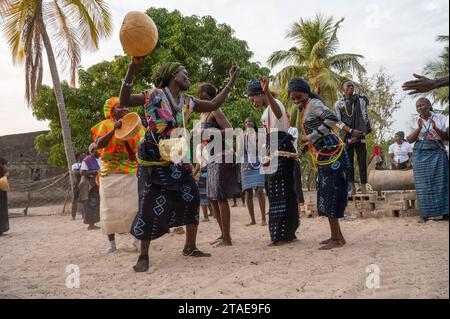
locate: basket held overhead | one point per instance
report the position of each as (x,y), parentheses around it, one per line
(138,34)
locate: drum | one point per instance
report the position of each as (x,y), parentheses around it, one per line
(131,124)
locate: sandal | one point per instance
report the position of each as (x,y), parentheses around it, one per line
(194,252)
(142,264)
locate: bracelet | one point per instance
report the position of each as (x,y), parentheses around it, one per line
(129,85)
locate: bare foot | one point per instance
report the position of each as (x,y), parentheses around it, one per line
(224,243)
(332,244)
(251,224)
(326,241)
(263,223)
(216,240)
(142,264)
(205,219)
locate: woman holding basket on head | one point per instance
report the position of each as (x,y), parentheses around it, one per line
(171,196)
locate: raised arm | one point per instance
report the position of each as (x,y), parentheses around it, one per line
(272,102)
(221,119)
(126,98)
(214,104)
(424,84)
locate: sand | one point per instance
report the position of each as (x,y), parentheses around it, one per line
(412,259)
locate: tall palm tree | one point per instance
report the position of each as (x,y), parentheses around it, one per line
(64,25)
(438,69)
(314,57)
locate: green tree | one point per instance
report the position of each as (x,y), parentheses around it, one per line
(438,69)
(384,102)
(64,27)
(206,48)
(315,58)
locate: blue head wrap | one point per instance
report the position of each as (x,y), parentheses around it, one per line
(254,88)
(299,85)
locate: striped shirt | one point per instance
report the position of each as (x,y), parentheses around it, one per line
(319,121)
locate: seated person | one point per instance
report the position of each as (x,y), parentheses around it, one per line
(400,153)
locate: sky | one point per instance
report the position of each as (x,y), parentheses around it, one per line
(397,35)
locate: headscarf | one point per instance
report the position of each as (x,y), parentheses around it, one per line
(377,151)
(401,134)
(91,160)
(165,73)
(91,147)
(299,85)
(254,88)
(109,104)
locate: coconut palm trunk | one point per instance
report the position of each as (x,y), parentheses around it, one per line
(65,126)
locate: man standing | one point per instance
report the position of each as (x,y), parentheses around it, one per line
(352,109)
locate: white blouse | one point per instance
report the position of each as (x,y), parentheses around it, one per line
(427,132)
(269,119)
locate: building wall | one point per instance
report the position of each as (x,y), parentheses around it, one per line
(25,163)
(26,168)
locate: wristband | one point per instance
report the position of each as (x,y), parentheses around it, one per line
(129,85)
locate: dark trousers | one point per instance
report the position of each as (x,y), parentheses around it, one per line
(361,155)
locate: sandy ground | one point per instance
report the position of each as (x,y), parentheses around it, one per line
(412,259)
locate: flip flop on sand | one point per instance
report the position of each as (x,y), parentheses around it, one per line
(194,252)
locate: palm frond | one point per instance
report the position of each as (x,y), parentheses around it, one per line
(16,13)
(282,56)
(344,62)
(66,42)
(289,72)
(93,19)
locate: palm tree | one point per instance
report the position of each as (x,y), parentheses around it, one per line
(69,25)
(315,58)
(438,69)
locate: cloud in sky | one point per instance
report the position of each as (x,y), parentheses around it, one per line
(399,35)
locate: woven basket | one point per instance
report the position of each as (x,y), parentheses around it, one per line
(138,34)
(131,124)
